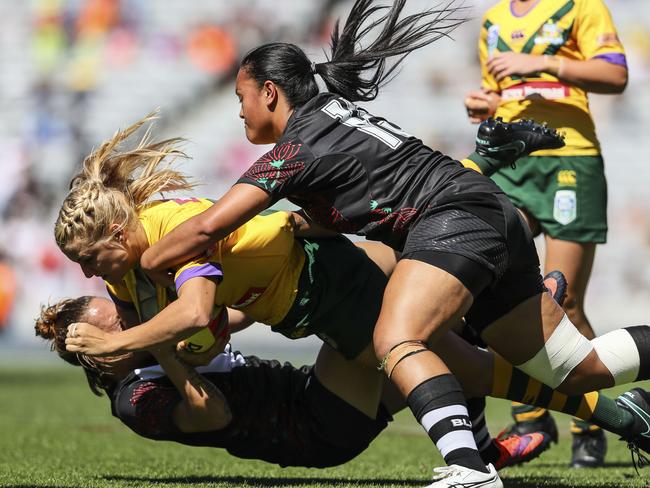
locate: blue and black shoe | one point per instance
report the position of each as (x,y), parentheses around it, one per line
(508,141)
(637,402)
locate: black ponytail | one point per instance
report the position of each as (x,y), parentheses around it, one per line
(288,67)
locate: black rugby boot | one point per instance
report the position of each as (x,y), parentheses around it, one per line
(588,449)
(557,285)
(508,141)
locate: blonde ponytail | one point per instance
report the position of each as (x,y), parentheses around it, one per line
(113,184)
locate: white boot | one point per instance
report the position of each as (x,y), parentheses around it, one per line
(455,476)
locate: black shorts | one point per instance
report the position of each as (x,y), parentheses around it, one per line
(293,420)
(340,431)
(487,245)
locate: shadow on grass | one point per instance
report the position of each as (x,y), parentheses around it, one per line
(525,481)
(270,482)
(622,464)
(41,486)
(529,481)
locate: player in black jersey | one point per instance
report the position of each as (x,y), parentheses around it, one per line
(465,249)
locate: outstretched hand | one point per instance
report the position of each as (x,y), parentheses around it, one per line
(87,339)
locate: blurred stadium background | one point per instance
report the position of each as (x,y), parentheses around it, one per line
(73,71)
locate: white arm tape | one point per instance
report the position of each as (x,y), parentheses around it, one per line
(563,351)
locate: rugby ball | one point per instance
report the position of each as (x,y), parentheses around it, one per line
(204,339)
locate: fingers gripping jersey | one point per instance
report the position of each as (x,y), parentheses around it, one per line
(572,29)
(357,173)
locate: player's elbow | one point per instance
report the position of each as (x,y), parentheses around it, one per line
(202,319)
(197,316)
(618,78)
(621,82)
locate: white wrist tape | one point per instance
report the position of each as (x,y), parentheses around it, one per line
(619,353)
(563,351)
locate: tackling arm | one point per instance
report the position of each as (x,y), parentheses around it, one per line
(180,319)
(203,407)
(195,236)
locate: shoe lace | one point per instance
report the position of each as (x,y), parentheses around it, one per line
(445,472)
(639,460)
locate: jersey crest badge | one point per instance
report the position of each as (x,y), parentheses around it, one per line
(565,206)
(550,33)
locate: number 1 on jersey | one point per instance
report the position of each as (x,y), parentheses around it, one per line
(361,120)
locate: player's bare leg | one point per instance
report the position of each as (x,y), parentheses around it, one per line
(351,380)
(420,304)
(575,259)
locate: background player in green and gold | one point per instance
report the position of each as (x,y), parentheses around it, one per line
(539,59)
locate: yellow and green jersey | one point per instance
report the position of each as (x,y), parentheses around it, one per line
(573,29)
(257,266)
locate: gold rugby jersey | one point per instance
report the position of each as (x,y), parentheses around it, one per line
(258,265)
(573,29)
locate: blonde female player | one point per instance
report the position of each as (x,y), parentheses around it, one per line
(299,287)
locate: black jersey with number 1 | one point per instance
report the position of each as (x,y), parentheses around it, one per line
(360,174)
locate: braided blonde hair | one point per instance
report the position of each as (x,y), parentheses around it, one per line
(113,185)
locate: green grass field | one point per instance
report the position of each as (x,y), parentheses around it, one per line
(54,433)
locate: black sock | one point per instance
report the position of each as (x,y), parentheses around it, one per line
(439,406)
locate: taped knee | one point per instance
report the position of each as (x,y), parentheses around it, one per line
(625,353)
(562,352)
(399,352)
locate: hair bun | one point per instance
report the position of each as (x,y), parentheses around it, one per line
(45,325)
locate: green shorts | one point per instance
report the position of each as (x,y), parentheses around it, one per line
(566,194)
(339,296)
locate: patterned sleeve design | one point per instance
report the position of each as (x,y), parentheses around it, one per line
(488,43)
(276,171)
(146,407)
